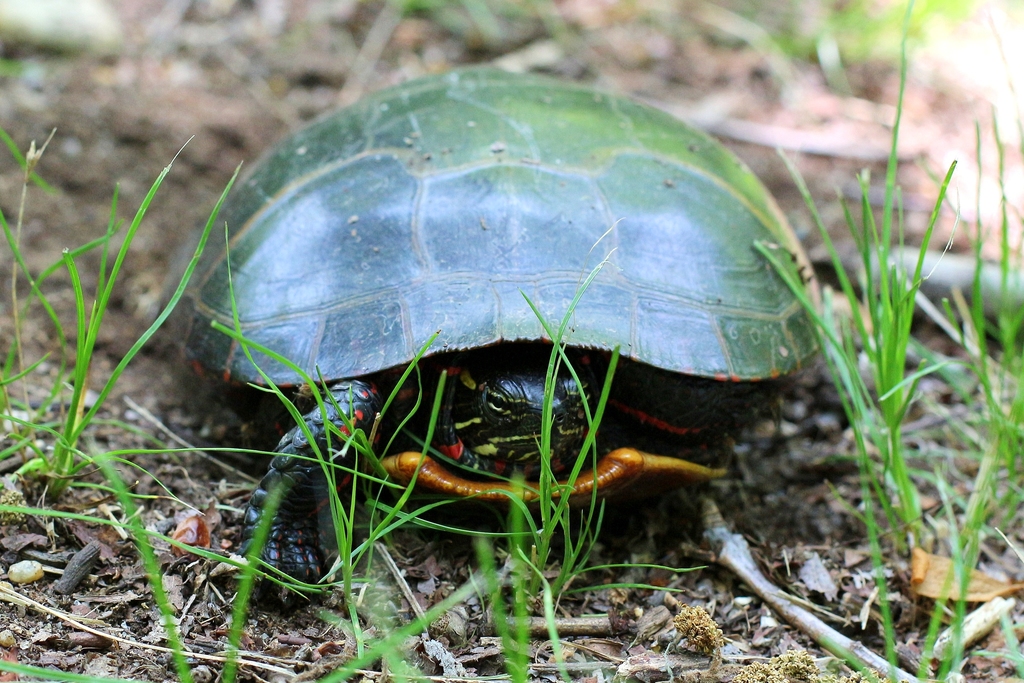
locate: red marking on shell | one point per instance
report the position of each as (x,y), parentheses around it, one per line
(735,378)
(453,370)
(453,451)
(500,466)
(359,414)
(721,376)
(651,420)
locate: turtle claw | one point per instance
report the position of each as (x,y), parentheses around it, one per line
(288,547)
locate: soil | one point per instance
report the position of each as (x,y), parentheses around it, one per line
(212,85)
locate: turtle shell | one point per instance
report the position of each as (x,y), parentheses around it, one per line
(447,205)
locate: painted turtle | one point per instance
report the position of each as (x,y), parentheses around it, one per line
(448,205)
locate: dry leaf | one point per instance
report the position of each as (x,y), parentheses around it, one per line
(932,577)
(9,655)
(816,576)
(192,530)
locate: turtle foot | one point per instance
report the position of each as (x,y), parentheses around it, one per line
(296,476)
(292,545)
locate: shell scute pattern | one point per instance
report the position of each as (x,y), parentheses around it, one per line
(438,206)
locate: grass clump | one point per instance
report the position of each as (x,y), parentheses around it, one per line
(868,346)
(65,460)
(50,448)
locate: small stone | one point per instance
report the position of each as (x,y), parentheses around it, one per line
(451,625)
(26,571)
(62,25)
(7,638)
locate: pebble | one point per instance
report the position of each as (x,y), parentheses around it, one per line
(25,571)
(63,25)
(7,638)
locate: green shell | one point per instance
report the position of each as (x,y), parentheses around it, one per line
(451,203)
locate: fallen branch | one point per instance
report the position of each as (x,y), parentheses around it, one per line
(733,553)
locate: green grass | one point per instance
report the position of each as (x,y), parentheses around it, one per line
(874,326)
(877,396)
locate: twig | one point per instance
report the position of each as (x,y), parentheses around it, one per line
(734,554)
(826,143)
(819,143)
(403,585)
(595,626)
(78,568)
(976,626)
(684,667)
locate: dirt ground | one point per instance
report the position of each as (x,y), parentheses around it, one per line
(229,79)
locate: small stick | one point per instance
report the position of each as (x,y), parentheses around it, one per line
(595,626)
(403,585)
(734,554)
(976,626)
(78,568)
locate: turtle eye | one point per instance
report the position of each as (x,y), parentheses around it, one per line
(496,402)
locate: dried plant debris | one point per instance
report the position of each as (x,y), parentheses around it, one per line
(793,665)
(12,498)
(932,576)
(852,678)
(797,666)
(816,577)
(700,631)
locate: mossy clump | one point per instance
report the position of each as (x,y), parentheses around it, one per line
(14,499)
(699,629)
(796,665)
(793,665)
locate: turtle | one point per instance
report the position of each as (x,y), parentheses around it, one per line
(459,220)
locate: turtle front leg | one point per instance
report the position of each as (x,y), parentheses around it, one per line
(293,544)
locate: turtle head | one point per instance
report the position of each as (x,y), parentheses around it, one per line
(498,404)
